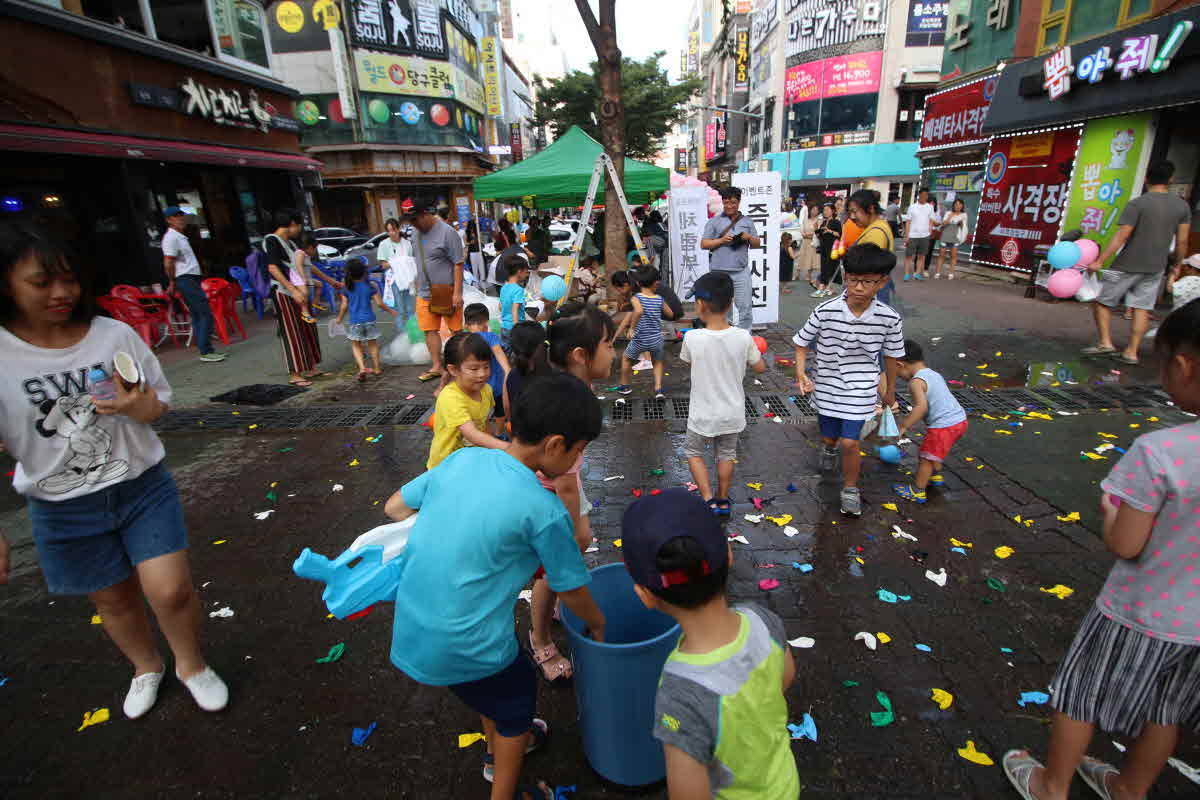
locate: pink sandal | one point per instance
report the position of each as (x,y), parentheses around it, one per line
(554,664)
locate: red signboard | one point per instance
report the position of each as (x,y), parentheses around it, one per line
(710,141)
(840,76)
(514,141)
(1026,182)
(956,115)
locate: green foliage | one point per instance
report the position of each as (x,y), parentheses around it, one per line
(652,104)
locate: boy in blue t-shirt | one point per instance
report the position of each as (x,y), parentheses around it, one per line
(471,552)
(476,319)
(512,293)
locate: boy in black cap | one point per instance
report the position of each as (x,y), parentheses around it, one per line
(718,353)
(720,711)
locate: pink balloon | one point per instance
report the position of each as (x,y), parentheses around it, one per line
(1065,283)
(1089,251)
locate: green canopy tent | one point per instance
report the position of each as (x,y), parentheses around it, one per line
(559,176)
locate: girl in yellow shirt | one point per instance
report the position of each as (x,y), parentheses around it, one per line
(462,410)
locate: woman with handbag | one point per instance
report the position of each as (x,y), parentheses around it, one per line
(439,252)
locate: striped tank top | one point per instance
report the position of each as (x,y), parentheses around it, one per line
(648,335)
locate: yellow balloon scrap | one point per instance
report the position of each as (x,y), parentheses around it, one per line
(1135,424)
(1028,523)
(755,486)
(989,416)
(960,543)
(1104,435)
(1058,590)
(1039,415)
(354,463)
(943,698)
(968,458)
(883,637)
(998,354)
(220,541)
(1004,432)
(981,366)
(1072,517)
(1004,551)
(891,506)
(990,374)
(91,718)
(252,427)
(468,739)
(974,756)
(781,520)
(97,619)
(1151,419)
(616,542)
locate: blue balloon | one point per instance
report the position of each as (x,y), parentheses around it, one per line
(889,454)
(1064,255)
(554,288)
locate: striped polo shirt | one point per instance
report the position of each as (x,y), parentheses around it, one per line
(847,354)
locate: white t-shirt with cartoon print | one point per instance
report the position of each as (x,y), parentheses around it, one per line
(63,448)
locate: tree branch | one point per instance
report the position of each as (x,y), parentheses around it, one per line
(589,21)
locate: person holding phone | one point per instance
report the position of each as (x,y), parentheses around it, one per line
(728,237)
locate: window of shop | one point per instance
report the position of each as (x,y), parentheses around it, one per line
(122,13)
(241,31)
(911,114)
(183,23)
(1066,21)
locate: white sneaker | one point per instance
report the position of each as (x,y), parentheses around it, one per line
(207,688)
(643,365)
(143,692)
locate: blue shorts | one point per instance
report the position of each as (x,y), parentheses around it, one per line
(507,698)
(92,542)
(838,428)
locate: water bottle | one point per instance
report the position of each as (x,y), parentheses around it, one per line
(101,385)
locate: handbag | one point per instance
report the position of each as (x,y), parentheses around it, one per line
(441,295)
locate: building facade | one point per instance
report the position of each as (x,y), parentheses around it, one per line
(181,105)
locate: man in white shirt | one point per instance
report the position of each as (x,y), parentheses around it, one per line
(183,274)
(919,223)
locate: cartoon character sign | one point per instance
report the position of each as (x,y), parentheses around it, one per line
(1122,142)
(73,417)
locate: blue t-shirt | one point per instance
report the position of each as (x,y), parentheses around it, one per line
(511,293)
(486,524)
(359,296)
(496,379)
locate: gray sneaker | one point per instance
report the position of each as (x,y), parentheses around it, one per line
(851,502)
(828,459)
(212,358)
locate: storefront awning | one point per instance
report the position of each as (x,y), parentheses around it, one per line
(848,163)
(39,139)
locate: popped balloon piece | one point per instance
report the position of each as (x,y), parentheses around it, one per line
(261,515)
(958,543)
(802,567)
(802,642)
(924,648)
(1004,551)
(789,531)
(891,506)
(767,584)
(1036,698)
(337,487)
(781,520)
(943,698)
(467,739)
(335,653)
(883,637)
(807,729)
(1058,590)
(883,718)
(938,577)
(740,539)
(1071,517)
(224,612)
(974,756)
(892,597)
(754,518)
(867,638)
(359,735)
(755,486)
(91,718)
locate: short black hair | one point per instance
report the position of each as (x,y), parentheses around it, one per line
(356,270)
(422,204)
(286,216)
(464,345)
(647,276)
(18,241)
(307,240)
(912,352)
(684,554)
(867,200)
(391,222)
(1180,331)
(868,259)
(619,278)
(556,405)
(1160,172)
(718,285)
(510,265)
(923,189)
(527,348)
(730,191)
(476,313)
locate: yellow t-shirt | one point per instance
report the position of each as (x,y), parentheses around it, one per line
(454,407)
(878,233)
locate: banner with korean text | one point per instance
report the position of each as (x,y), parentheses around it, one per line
(760,202)
(417,76)
(1024,195)
(1103,181)
(689,213)
(491,54)
(956,116)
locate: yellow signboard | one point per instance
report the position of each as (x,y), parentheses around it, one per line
(1035,146)
(491,76)
(416,76)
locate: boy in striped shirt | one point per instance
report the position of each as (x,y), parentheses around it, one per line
(847,335)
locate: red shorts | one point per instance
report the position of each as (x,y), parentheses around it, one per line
(938,441)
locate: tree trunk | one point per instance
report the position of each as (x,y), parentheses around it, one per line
(611,115)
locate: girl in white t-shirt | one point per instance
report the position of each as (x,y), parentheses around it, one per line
(105,512)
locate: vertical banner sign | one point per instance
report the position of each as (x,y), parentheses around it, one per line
(1103,181)
(689,213)
(956,116)
(514,140)
(760,202)
(491,76)
(927,22)
(681,160)
(1024,192)
(693,53)
(741,55)
(341,73)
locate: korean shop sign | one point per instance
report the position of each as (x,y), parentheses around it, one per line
(956,115)
(1103,180)
(818,23)
(741,59)
(398,26)
(491,76)
(219,105)
(418,77)
(1138,54)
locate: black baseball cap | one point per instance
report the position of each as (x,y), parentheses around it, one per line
(652,521)
(712,284)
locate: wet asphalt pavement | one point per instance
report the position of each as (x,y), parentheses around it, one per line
(991,631)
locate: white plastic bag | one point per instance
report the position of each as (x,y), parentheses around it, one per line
(401,351)
(1090,290)
(336,328)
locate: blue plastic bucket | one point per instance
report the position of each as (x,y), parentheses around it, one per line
(616,680)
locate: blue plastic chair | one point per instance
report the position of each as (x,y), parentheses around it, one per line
(335,268)
(240,275)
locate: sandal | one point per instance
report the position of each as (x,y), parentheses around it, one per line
(724,507)
(1095,774)
(1124,359)
(362,375)
(1019,767)
(714,507)
(555,666)
(527,792)
(1097,350)
(303,383)
(540,731)
(308,319)
(429,375)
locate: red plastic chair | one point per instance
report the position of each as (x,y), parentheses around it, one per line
(222,299)
(145,321)
(126,292)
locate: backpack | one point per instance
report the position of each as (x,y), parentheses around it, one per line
(256,271)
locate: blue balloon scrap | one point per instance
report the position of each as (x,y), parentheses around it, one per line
(802,567)
(3,681)
(807,729)
(1005,649)
(892,597)
(888,453)
(958,550)
(791,487)
(924,648)
(359,735)
(561,792)
(1038,698)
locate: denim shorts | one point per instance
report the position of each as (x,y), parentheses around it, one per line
(507,698)
(362,331)
(92,542)
(838,428)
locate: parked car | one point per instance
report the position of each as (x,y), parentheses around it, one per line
(368,250)
(340,239)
